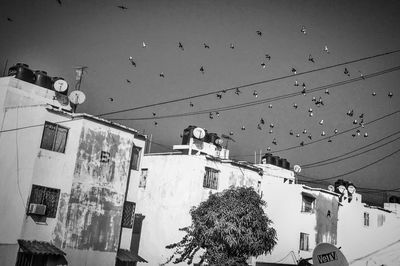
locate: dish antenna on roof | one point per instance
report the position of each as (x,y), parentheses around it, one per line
(77,97)
(60,85)
(199,133)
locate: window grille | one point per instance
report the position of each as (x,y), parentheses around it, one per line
(211,178)
(127,214)
(304,240)
(46,196)
(54,137)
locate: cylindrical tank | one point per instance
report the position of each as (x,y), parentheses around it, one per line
(187,134)
(267,158)
(54,79)
(285,164)
(275,160)
(280,162)
(211,137)
(42,79)
(21,71)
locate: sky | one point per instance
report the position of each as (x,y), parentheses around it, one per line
(165,91)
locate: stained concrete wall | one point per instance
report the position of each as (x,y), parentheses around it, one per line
(175,184)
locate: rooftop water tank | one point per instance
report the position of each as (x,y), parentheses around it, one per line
(42,79)
(267,158)
(187,134)
(211,138)
(285,164)
(275,160)
(21,71)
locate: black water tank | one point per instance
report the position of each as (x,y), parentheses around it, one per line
(187,134)
(275,160)
(211,138)
(280,162)
(54,79)
(285,164)
(42,79)
(267,158)
(21,71)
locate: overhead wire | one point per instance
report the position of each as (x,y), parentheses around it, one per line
(262,101)
(250,84)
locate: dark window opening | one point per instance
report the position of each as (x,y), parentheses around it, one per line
(128,214)
(135,158)
(45,196)
(143,178)
(366,219)
(304,240)
(54,137)
(211,178)
(307,204)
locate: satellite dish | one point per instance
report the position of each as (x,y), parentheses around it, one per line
(297,168)
(60,85)
(326,254)
(199,133)
(331,188)
(77,97)
(218,141)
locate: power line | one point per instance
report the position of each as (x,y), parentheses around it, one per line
(328,161)
(328,137)
(250,84)
(262,101)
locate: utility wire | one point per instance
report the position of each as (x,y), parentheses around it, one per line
(262,101)
(251,84)
(318,164)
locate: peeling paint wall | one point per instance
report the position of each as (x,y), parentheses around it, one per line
(92,212)
(327,216)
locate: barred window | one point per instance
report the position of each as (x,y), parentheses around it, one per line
(304,239)
(211,178)
(46,196)
(54,137)
(127,214)
(366,219)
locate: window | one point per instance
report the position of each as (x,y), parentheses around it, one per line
(143,178)
(381,219)
(46,196)
(308,203)
(127,214)
(211,178)
(135,158)
(304,241)
(105,157)
(366,219)
(54,137)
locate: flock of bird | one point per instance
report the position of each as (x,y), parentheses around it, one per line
(317,102)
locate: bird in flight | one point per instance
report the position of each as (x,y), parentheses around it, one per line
(132,62)
(206,46)
(120,7)
(10,19)
(180,45)
(59,2)
(311,59)
(259,33)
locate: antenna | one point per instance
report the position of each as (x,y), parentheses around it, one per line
(79,77)
(5,68)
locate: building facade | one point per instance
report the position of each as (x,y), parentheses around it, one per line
(64,180)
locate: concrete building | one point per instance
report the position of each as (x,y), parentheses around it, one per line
(64,180)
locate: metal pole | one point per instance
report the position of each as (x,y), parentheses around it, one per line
(5,68)
(149,146)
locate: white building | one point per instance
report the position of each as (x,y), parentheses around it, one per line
(64,181)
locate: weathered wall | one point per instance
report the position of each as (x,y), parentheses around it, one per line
(327,208)
(174,185)
(94,208)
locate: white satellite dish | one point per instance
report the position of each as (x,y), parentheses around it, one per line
(60,85)
(331,188)
(199,133)
(297,168)
(77,97)
(326,254)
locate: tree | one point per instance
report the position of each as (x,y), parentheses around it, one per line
(229,226)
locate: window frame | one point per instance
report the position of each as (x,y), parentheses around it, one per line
(366,219)
(43,145)
(211,178)
(143,181)
(135,158)
(381,219)
(304,241)
(51,210)
(304,204)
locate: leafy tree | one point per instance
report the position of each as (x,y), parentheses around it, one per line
(229,226)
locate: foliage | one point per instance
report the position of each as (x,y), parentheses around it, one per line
(229,226)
